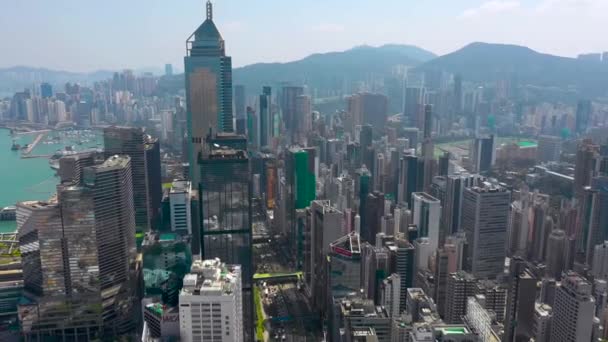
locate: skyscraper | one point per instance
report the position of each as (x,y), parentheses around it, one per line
(288,106)
(458,94)
(555,253)
(131,141)
(520,301)
(325,229)
(153,179)
(542,322)
(208,73)
(408,179)
(79,251)
(451,213)
(369,108)
(266,121)
(404,255)
(414,98)
(597,221)
(485,219)
(586,165)
(549,148)
(303,119)
(225,196)
(583,115)
(600,261)
(484,153)
(427,214)
(240,103)
(460,286)
(344,261)
(573,310)
(46,90)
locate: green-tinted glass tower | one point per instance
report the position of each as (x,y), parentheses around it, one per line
(305,182)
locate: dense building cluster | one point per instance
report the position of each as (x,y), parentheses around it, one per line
(214,215)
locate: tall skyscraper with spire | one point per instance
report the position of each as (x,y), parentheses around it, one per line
(208,74)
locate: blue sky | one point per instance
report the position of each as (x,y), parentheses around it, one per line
(114,34)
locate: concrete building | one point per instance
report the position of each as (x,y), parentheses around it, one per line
(481,319)
(485,219)
(160,323)
(542,322)
(600,261)
(418,304)
(460,287)
(357,313)
(573,310)
(211,304)
(390,295)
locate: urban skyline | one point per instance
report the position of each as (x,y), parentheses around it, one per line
(450,27)
(381,195)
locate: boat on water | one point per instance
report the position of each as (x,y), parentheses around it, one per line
(15,146)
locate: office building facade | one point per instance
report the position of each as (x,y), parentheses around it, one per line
(208,74)
(485,219)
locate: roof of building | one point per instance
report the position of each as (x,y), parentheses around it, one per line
(180,186)
(348,245)
(114,161)
(211,277)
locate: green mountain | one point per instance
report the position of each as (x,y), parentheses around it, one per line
(483,62)
(333,71)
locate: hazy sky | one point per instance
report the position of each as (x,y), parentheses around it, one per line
(87,35)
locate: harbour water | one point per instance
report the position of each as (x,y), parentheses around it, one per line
(23,179)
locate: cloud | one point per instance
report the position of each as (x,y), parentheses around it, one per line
(491,7)
(328,28)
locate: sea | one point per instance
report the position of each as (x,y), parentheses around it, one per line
(25,179)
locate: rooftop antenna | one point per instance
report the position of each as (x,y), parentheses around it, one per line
(209,10)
